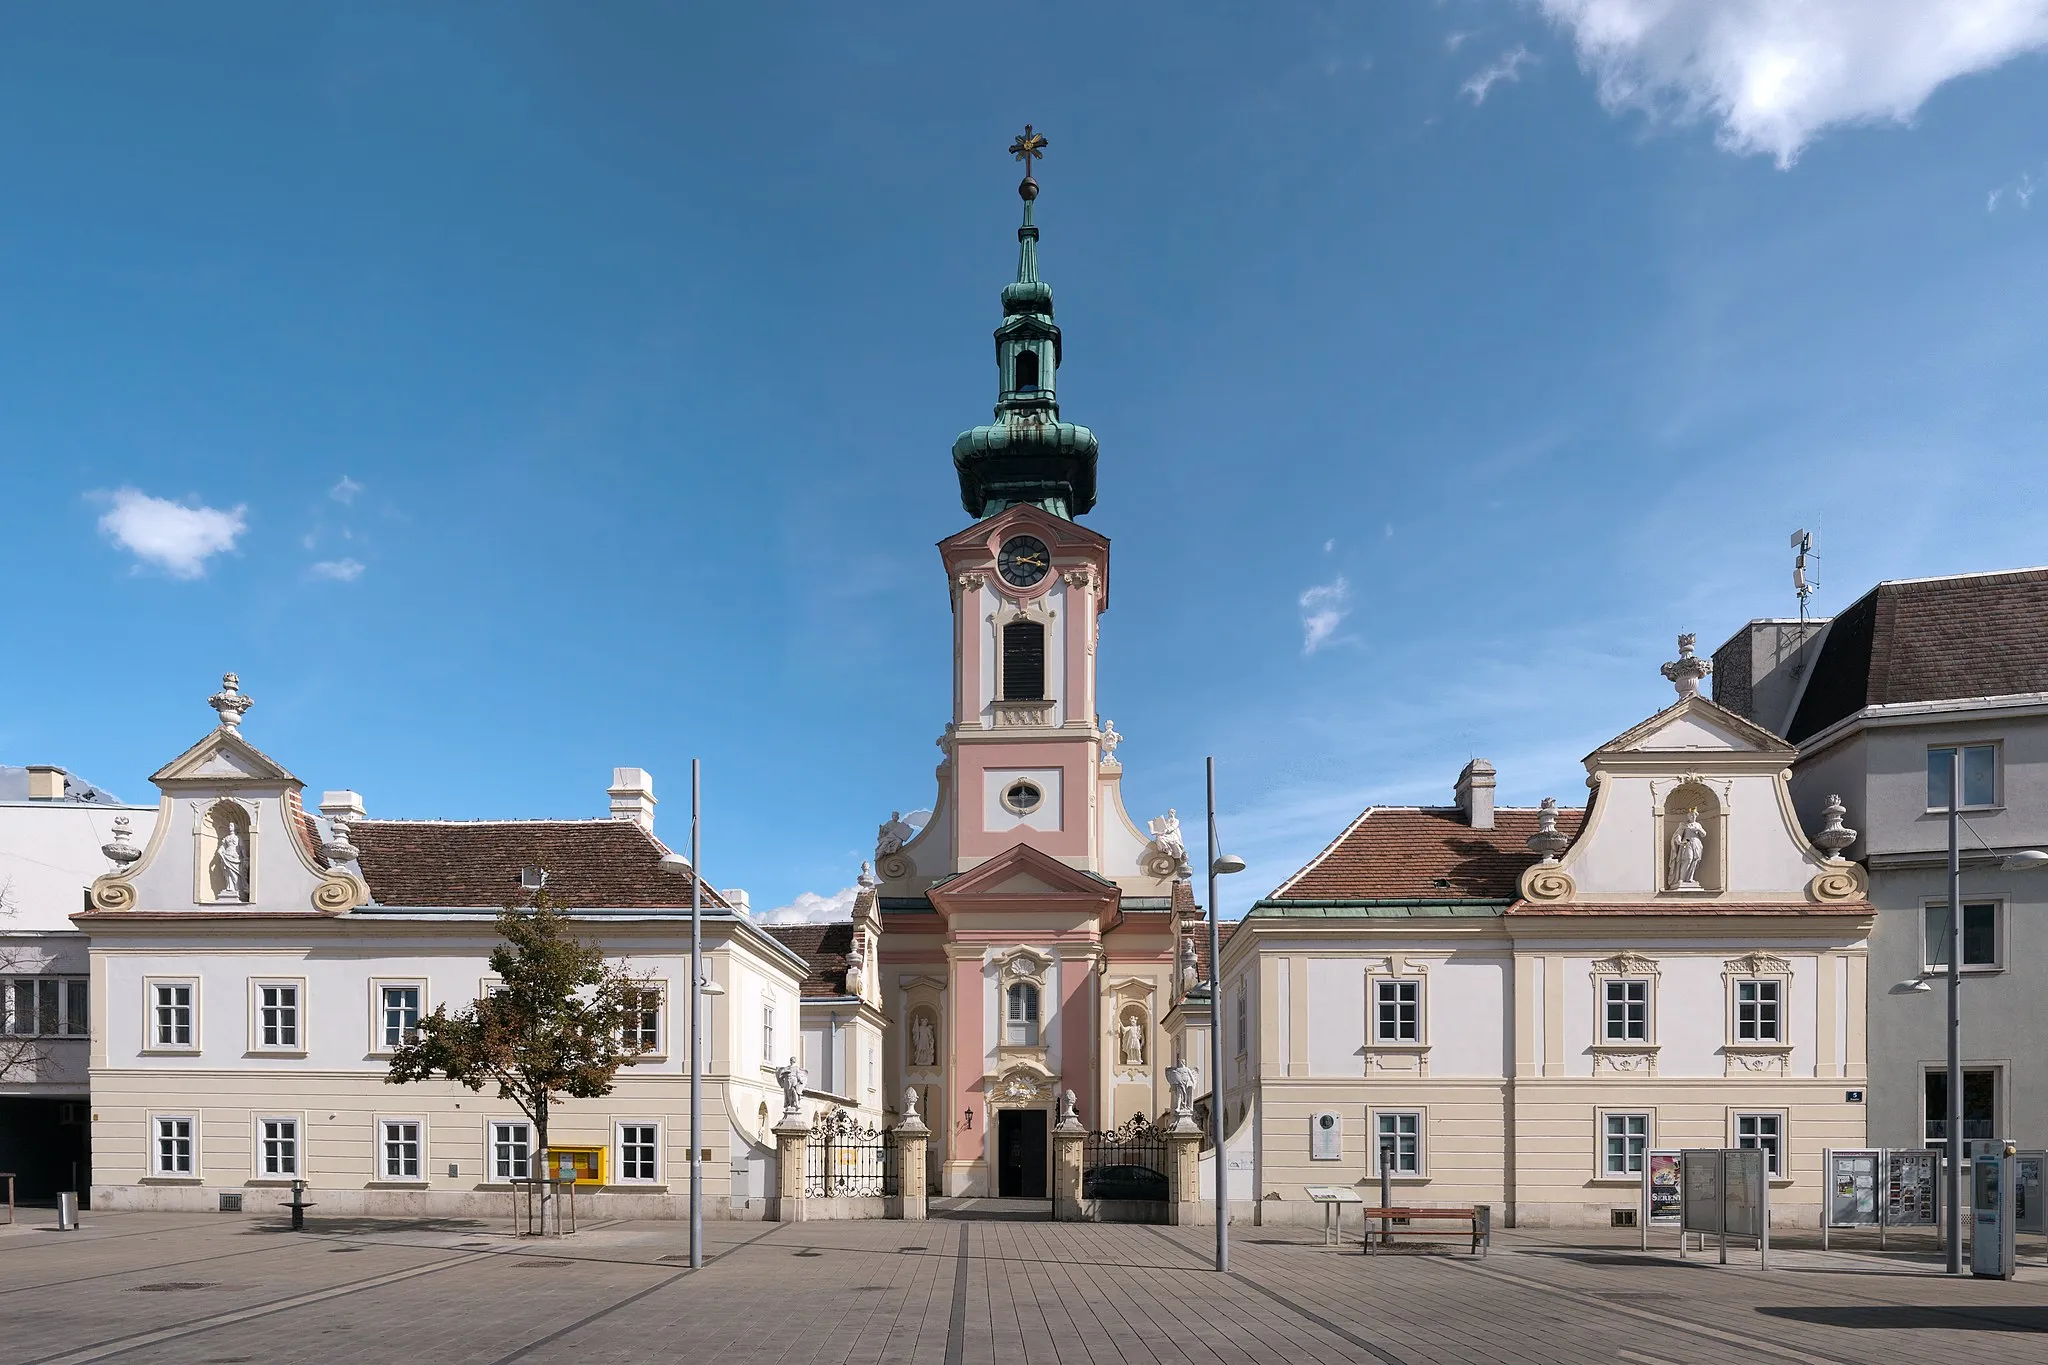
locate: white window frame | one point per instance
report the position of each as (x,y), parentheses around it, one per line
(192,1171)
(257,1023)
(1380,986)
(492,1127)
(1997,775)
(379,1046)
(150,985)
(658,1049)
(260,1155)
(619,1165)
(1776,985)
(1998,929)
(1028,1022)
(385,1175)
(1420,1170)
(770,1041)
(1783,1122)
(1649,1002)
(1244,1012)
(1605,1119)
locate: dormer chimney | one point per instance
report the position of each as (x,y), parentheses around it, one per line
(45,783)
(632,793)
(343,805)
(1475,793)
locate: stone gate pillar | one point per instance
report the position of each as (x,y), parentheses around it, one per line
(912,1145)
(1184,1178)
(1067,1138)
(792,1141)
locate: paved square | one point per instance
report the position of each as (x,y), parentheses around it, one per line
(224,1289)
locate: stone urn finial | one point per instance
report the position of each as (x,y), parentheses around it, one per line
(1686,671)
(1548,840)
(338,850)
(1834,836)
(229,702)
(121,850)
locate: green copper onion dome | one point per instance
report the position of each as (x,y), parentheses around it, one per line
(1027,454)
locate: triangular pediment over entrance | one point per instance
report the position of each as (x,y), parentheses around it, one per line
(1021,879)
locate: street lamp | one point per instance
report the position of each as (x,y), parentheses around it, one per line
(1220,865)
(2023,860)
(677,865)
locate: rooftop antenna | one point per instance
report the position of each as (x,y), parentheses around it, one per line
(1802,541)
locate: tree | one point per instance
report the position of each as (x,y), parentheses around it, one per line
(553,1029)
(27,1017)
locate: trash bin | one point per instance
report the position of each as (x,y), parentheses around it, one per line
(67,1211)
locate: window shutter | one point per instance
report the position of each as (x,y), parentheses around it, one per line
(1023,661)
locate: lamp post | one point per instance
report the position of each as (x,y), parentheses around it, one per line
(672,864)
(1220,864)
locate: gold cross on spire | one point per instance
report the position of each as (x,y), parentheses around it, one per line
(1027,146)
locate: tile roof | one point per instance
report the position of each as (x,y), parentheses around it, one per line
(1930,639)
(591,864)
(77,791)
(823,947)
(1424,853)
(1521,908)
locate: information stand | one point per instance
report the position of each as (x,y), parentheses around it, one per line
(1661,1196)
(1333,1198)
(1854,1181)
(1725,1191)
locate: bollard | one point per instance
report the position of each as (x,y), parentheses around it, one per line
(67,1211)
(298,1206)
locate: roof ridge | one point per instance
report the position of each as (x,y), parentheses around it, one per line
(500,820)
(2022,574)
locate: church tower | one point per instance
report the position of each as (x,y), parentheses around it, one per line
(1030,927)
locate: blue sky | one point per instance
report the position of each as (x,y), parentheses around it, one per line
(547,388)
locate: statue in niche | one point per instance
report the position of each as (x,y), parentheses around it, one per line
(234,867)
(924,1042)
(1688,846)
(1133,1038)
(1180,1080)
(792,1079)
(1190,965)
(894,833)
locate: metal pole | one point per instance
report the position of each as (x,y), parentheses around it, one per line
(1953,1186)
(1216,1048)
(696,1030)
(1386,1193)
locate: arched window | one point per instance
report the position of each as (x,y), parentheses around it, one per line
(1026,366)
(1023,661)
(1023,1016)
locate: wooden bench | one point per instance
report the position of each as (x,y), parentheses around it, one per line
(1477,1224)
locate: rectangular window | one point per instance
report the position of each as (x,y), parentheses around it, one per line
(638,1143)
(768,1033)
(1980,776)
(1626,1138)
(1980,1105)
(278,1141)
(1766,1132)
(1757,1016)
(1023,661)
(511,1150)
(171,1009)
(45,1006)
(401,1149)
(398,1009)
(1023,1015)
(1627,1016)
(1244,1013)
(643,1019)
(277,1016)
(174,1146)
(1401,1131)
(1980,935)
(1397,1011)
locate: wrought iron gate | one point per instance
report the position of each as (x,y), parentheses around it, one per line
(1127,1162)
(845,1157)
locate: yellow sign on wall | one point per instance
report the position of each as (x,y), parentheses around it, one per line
(588,1163)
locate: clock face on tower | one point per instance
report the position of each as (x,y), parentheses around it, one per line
(1023,561)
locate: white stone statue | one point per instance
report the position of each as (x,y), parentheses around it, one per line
(1190,965)
(1688,846)
(1165,832)
(857,967)
(924,1042)
(234,872)
(1133,1037)
(891,837)
(910,1114)
(793,1080)
(867,880)
(1180,1080)
(1110,739)
(1069,1110)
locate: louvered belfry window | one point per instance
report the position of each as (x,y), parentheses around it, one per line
(1023,661)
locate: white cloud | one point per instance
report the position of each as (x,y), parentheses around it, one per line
(339,570)
(2020,192)
(174,537)
(345,491)
(1329,545)
(1773,74)
(1506,67)
(1323,609)
(811,908)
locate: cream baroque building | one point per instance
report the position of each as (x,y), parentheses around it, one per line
(1521,1003)
(253,969)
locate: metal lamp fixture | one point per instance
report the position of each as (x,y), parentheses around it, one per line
(1220,864)
(677,865)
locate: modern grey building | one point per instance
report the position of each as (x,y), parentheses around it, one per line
(1876,698)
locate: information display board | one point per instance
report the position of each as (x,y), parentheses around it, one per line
(1727,1192)
(1745,1192)
(1910,1188)
(1660,1180)
(2028,1208)
(1700,1179)
(1852,1188)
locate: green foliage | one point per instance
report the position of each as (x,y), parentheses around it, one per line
(551,1030)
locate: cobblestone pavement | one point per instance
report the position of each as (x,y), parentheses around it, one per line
(216,1290)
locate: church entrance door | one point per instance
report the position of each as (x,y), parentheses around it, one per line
(1020,1153)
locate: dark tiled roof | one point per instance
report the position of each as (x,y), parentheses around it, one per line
(77,791)
(823,947)
(591,864)
(1424,853)
(1935,639)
